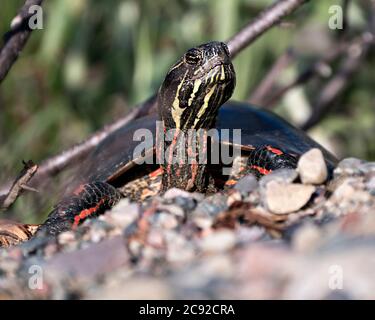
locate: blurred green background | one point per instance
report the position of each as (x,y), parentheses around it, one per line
(95,59)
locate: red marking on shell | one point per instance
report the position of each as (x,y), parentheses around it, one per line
(274,150)
(262,170)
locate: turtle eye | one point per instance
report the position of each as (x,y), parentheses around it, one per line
(193,56)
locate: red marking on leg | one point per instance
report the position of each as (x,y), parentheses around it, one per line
(85,213)
(274,150)
(156,173)
(170,158)
(230,182)
(261,170)
(194,172)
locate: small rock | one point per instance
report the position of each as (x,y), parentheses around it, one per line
(175,192)
(66,237)
(281,175)
(306,238)
(172,210)
(344,191)
(247,184)
(312,167)
(123,214)
(234,197)
(188,204)
(212,205)
(370,185)
(348,166)
(166,221)
(219,241)
(282,198)
(367,167)
(203,221)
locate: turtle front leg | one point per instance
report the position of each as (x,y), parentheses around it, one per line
(89,200)
(260,162)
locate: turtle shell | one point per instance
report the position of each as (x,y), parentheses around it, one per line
(115,156)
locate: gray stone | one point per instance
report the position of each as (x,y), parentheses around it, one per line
(312,167)
(281,175)
(247,184)
(282,198)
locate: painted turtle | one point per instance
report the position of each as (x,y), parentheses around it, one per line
(188,101)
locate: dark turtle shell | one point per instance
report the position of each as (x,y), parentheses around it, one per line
(114,156)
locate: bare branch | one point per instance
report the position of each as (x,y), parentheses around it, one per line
(264,21)
(315,69)
(19,185)
(339,82)
(16,38)
(262,91)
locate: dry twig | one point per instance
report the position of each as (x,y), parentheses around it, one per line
(262,91)
(19,185)
(16,38)
(264,21)
(340,81)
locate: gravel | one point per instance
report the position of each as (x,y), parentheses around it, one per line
(292,235)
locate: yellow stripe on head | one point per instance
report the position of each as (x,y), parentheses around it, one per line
(176,110)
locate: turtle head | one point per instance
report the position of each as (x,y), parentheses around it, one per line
(196,86)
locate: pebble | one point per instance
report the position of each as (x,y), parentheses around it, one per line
(282,198)
(312,168)
(234,196)
(367,167)
(186,203)
(178,251)
(175,192)
(123,214)
(166,221)
(370,185)
(348,166)
(210,207)
(306,238)
(281,175)
(247,184)
(173,210)
(218,241)
(66,237)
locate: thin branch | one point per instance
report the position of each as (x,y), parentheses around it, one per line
(340,81)
(264,21)
(19,185)
(262,91)
(315,69)
(16,38)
